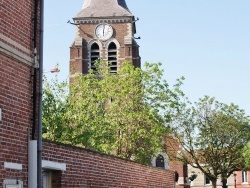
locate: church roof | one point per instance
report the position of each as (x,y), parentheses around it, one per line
(103,8)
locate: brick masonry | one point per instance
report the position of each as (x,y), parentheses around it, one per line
(16,32)
(85,168)
(17,24)
(16,105)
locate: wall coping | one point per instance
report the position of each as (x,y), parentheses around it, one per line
(100,154)
(53,165)
(13,166)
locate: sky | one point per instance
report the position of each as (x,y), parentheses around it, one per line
(206,41)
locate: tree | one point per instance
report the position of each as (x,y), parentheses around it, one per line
(212,136)
(246,155)
(119,114)
(54,107)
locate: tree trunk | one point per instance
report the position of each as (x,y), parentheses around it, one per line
(214,183)
(224,183)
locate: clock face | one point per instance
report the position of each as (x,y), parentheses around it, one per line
(104,32)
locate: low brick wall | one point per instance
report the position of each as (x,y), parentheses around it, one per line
(85,168)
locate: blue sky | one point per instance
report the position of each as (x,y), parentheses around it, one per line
(206,41)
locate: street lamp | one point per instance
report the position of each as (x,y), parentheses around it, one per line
(235,180)
(53,70)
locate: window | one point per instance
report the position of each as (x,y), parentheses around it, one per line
(112,57)
(95,55)
(207,181)
(244,176)
(13,183)
(160,161)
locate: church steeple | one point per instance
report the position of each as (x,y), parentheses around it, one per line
(105,30)
(104,8)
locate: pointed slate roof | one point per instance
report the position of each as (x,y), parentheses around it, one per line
(103,8)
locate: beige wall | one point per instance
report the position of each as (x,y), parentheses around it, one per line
(199,182)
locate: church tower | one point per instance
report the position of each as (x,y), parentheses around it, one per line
(105,30)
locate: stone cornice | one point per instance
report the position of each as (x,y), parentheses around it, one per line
(15,50)
(12,52)
(103,20)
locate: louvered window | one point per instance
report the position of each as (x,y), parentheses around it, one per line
(95,55)
(112,57)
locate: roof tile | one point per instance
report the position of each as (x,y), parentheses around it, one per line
(104,8)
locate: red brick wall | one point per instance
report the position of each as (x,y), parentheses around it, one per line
(16,21)
(239,183)
(16,33)
(16,105)
(92,169)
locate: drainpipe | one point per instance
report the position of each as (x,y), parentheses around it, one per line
(35,71)
(39,176)
(32,144)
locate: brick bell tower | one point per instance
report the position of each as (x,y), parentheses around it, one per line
(105,30)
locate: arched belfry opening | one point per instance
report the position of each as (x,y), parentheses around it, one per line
(95,55)
(160,161)
(112,57)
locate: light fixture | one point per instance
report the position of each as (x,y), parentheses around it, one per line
(53,70)
(72,23)
(137,37)
(135,20)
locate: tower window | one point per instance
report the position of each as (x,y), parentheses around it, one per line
(95,55)
(112,57)
(160,161)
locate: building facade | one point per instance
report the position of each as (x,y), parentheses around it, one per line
(242,179)
(239,179)
(18,112)
(202,181)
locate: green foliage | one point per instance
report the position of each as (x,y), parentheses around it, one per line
(246,155)
(119,114)
(54,108)
(212,135)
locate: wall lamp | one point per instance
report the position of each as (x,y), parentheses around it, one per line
(72,23)
(53,70)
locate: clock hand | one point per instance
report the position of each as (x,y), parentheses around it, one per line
(103,30)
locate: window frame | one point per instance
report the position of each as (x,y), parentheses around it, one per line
(244,177)
(94,57)
(206,180)
(162,162)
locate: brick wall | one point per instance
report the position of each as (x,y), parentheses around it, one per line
(87,168)
(16,23)
(16,33)
(16,105)
(239,180)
